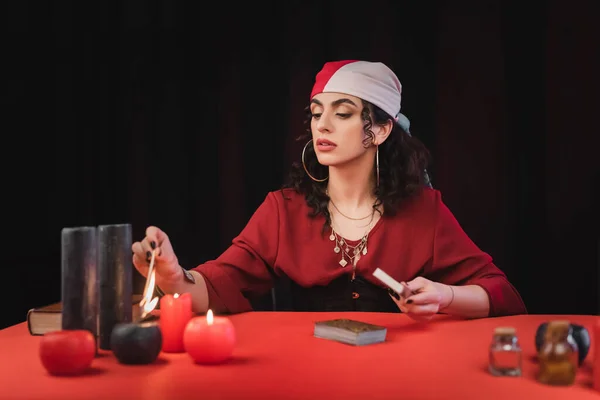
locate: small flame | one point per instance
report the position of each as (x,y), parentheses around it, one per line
(209,317)
(148,303)
(176,295)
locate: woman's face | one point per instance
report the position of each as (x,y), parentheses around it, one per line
(337,128)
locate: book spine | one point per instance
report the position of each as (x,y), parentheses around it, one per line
(79,283)
(115,274)
(29,327)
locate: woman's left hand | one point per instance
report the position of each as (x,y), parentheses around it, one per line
(427,299)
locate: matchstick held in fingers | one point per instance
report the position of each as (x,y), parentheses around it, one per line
(148,303)
(150,273)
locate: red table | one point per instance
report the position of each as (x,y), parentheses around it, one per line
(278,358)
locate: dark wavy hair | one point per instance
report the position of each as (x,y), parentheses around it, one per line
(403,160)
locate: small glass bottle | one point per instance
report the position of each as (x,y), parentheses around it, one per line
(505,353)
(558,355)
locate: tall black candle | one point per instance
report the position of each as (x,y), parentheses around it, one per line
(79,279)
(115,267)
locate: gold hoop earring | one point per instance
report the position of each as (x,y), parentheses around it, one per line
(377,164)
(306,169)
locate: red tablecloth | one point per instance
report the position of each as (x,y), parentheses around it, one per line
(277,357)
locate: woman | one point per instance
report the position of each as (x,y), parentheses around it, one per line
(358,202)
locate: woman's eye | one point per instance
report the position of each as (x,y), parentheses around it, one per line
(341,115)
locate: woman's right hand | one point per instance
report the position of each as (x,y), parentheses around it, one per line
(166,264)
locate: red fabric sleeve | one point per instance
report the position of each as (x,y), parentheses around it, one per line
(458,261)
(244,268)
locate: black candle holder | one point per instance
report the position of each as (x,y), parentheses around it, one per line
(136,342)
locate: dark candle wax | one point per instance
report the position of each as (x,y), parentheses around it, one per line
(136,343)
(79,283)
(115,274)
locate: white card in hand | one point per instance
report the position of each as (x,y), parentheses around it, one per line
(391,282)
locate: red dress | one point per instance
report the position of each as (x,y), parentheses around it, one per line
(422,239)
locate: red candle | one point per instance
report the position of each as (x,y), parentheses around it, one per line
(175,313)
(596,360)
(67,352)
(209,340)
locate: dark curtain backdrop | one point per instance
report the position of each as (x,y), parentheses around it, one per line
(171,114)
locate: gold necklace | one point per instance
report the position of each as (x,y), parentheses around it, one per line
(344,215)
(350,253)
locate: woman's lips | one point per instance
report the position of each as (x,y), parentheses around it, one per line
(325,145)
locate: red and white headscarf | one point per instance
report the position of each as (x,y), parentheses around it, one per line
(370,81)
